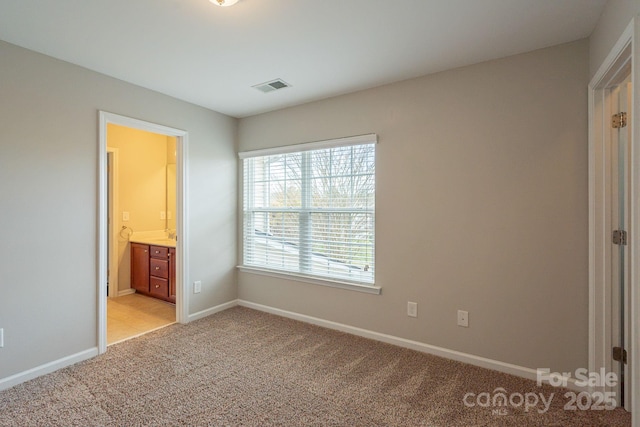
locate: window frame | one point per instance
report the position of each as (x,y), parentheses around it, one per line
(334,282)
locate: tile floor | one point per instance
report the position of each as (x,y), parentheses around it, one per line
(132,315)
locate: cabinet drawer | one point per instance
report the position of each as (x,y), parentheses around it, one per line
(159,287)
(159,268)
(159,252)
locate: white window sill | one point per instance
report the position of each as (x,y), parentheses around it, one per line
(368,289)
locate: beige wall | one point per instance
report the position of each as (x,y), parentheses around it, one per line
(48,193)
(481,206)
(615,17)
(142,189)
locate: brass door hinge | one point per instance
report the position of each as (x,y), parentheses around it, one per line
(620,354)
(619,237)
(619,120)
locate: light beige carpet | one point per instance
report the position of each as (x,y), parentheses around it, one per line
(242,367)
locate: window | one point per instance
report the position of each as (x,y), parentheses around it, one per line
(309,209)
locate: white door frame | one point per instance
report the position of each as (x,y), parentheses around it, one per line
(622,59)
(182,245)
(115,223)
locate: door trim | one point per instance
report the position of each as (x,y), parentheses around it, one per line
(112,207)
(622,60)
(182,197)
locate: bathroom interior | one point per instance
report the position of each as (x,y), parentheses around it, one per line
(142,232)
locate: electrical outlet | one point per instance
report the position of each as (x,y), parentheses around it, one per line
(1,337)
(412,309)
(125,216)
(463,318)
(197,287)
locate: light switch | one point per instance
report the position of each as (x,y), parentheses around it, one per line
(163,215)
(125,216)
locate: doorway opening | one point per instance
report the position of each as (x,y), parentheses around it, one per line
(141,184)
(142,228)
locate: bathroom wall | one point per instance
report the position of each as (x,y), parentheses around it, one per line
(171,183)
(142,189)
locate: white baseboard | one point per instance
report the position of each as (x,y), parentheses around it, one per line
(47,368)
(212,310)
(126,292)
(471,359)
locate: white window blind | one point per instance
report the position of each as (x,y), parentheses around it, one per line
(310,209)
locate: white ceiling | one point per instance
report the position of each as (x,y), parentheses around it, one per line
(211,56)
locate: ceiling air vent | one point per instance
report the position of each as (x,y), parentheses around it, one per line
(272,85)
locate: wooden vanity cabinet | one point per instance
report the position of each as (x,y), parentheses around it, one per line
(140,267)
(153,271)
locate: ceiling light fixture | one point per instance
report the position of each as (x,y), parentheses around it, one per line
(224,3)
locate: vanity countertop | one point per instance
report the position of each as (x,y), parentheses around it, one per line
(171,243)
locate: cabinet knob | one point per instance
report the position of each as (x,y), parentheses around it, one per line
(145,251)
(157,286)
(157,252)
(157,268)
